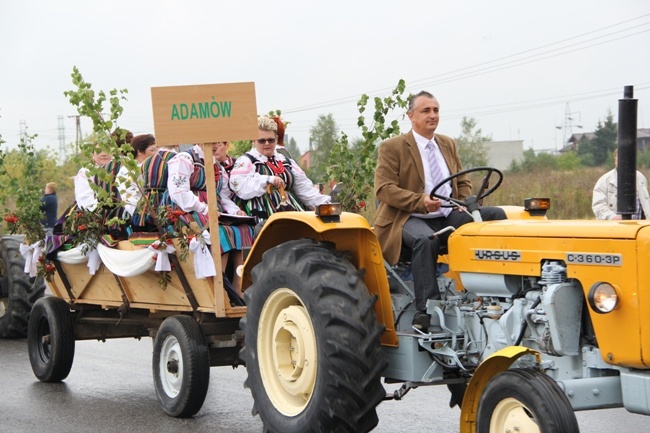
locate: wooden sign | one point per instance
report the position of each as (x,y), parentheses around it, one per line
(204,113)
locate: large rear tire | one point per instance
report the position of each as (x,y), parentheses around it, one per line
(17,292)
(181,366)
(312,348)
(50,339)
(525,400)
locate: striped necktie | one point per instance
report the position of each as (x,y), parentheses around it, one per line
(436,175)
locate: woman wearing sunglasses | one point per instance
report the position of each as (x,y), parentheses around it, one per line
(266,181)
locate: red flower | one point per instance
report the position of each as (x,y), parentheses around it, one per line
(11,219)
(178,213)
(82,227)
(362,204)
(50,267)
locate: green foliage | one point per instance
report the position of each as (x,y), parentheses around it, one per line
(534,162)
(292,148)
(323,137)
(15,170)
(595,152)
(568,161)
(354,165)
(238,148)
(472,148)
(106,133)
(642,159)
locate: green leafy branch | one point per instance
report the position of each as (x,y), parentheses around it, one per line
(355,164)
(26,216)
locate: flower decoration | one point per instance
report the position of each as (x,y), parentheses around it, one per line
(45,268)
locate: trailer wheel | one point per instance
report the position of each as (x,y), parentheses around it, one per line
(525,400)
(50,339)
(17,292)
(181,366)
(312,348)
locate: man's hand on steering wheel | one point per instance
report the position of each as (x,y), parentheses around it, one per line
(483,192)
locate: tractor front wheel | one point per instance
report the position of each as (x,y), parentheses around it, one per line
(525,400)
(312,349)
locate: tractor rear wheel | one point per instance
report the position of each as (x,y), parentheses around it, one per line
(181,366)
(17,292)
(525,400)
(312,348)
(50,339)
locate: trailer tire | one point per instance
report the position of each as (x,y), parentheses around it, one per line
(525,400)
(17,292)
(181,366)
(312,342)
(50,339)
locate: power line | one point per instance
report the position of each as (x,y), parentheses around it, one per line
(471,71)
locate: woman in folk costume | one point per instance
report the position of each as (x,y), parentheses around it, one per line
(279,147)
(154,171)
(144,146)
(187,190)
(267,181)
(227,161)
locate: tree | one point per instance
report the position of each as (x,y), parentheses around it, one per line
(355,164)
(471,144)
(323,136)
(292,148)
(595,152)
(238,148)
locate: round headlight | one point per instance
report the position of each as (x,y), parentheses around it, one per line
(603,298)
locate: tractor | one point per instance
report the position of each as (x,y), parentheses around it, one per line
(539,319)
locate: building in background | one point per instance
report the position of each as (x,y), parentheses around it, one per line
(502,153)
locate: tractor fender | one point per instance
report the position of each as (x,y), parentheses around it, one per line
(351,234)
(494,364)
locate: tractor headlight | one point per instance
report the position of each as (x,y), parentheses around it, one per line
(329,212)
(603,298)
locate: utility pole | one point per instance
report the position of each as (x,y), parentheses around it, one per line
(78,134)
(23,131)
(62,155)
(567,127)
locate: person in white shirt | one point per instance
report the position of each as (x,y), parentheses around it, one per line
(604,199)
(186,183)
(130,191)
(261,175)
(83,193)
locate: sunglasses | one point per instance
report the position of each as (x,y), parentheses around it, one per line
(265,140)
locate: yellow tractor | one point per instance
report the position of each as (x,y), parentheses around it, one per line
(539,319)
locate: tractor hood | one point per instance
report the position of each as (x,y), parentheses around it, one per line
(555,229)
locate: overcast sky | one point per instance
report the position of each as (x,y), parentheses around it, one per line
(516,66)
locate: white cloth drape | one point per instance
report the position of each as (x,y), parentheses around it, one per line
(162,256)
(203,261)
(31,254)
(126,263)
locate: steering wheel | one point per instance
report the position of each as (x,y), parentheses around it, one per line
(483,192)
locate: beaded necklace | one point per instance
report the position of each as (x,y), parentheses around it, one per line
(276,167)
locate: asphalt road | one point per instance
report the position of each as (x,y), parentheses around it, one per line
(110,389)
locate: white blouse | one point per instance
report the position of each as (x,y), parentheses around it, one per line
(83,193)
(248,184)
(130,195)
(181,167)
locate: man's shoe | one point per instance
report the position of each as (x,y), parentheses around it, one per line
(421,321)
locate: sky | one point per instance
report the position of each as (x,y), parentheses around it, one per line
(531,71)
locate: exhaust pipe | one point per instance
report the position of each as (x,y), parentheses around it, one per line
(626,171)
